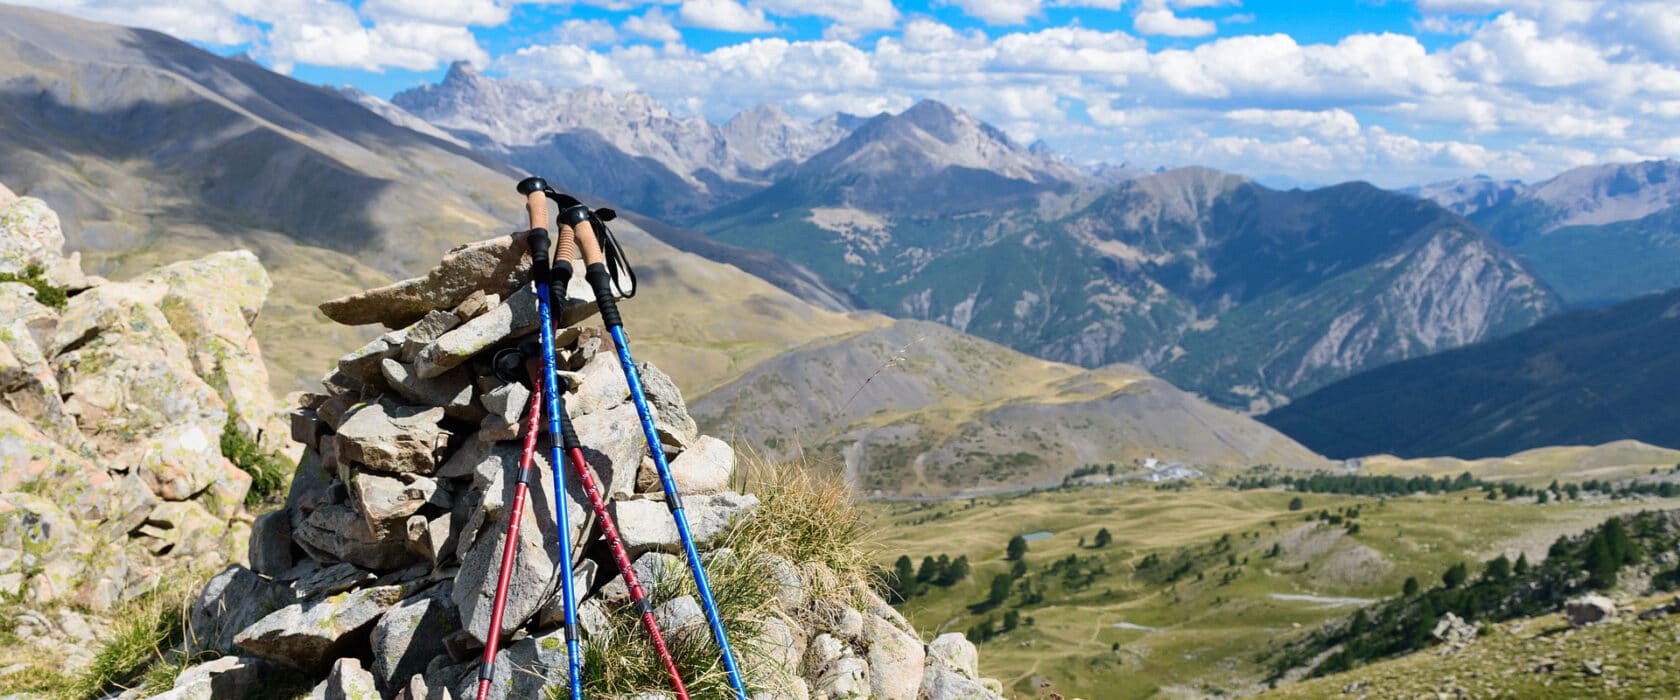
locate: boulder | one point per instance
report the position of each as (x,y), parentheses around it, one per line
(505,405)
(390,437)
(953,651)
(676,427)
(28,385)
(1589,609)
(646,525)
(492,265)
(838,672)
(681,616)
(337,533)
(309,635)
(182,528)
(524,669)
(895,660)
(944,683)
(514,318)
(30,236)
(226,677)
(181,460)
(125,369)
(363,364)
(271,543)
(230,602)
(211,303)
(777,649)
(348,681)
(452,390)
(705,467)
(410,635)
(386,502)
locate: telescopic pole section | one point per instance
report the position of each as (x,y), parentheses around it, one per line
(536,206)
(510,546)
(600,281)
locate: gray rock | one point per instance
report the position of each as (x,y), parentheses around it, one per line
(838,672)
(410,635)
(613,447)
(181,460)
(895,660)
(492,265)
(524,669)
(231,601)
(705,467)
(646,525)
(777,651)
(1589,609)
(553,612)
(427,329)
(363,363)
(335,533)
(386,502)
(849,626)
(942,683)
(309,635)
(475,305)
(514,318)
(681,616)
(670,413)
(391,437)
(505,405)
(482,540)
(791,591)
(271,543)
(307,428)
(226,677)
(452,390)
(600,386)
(953,651)
(330,580)
(30,234)
(349,681)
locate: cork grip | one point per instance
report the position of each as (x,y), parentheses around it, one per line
(587,242)
(536,206)
(566,251)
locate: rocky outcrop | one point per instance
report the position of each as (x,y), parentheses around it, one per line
(379,574)
(114,399)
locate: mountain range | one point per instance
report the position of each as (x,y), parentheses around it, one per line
(1581,378)
(154,149)
(1597,234)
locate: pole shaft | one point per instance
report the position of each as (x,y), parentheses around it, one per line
(639,396)
(510,547)
(562,517)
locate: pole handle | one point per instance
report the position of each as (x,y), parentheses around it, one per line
(587,243)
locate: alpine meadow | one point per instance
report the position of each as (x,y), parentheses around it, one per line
(893,349)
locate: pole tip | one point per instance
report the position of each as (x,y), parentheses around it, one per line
(532,184)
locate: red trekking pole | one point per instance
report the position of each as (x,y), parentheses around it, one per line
(510,546)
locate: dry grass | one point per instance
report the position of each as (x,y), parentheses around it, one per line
(807,514)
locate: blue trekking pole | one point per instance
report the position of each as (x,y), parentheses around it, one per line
(596,260)
(537,207)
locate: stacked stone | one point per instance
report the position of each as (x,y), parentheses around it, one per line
(112,406)
(389,545)
(391,538)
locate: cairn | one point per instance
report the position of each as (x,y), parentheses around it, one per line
(388,546)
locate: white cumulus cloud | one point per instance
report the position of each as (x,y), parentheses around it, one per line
(724,15)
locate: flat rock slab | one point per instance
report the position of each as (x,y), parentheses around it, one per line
(646,525)
(391,437)
(309,635)
(513,318)
(494,265)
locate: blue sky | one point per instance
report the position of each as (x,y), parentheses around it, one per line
(1395,92)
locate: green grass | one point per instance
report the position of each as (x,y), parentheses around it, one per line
(1211,621)
(45,292)
(268,470)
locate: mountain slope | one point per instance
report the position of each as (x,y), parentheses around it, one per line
(1244,294)
(917,408)
(1582,378)
(1598,234)
(153,150)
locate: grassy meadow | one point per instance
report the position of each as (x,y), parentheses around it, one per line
(1199,579)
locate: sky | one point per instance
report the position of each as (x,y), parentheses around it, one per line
(1291,91)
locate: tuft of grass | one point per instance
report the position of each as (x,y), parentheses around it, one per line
(45,292)
(806,514)
(146,635)
(268,470)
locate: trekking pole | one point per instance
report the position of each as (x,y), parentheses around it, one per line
(486,670)
(586,478)
(576,216)
(536,206)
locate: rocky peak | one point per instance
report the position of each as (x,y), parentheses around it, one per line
(1603,194)
(115,398)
